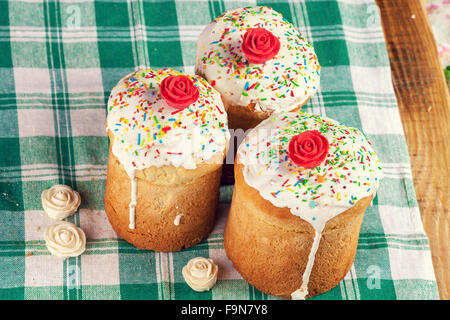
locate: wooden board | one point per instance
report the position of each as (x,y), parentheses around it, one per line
(424,105)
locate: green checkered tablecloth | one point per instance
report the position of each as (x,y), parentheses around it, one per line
(58,63)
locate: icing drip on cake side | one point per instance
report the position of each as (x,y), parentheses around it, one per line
(132,175)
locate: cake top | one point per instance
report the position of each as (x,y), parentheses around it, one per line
(254,55)
(315,166)
(163,117)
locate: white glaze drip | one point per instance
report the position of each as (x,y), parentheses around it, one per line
(177,219)
(133,202)
(300,294)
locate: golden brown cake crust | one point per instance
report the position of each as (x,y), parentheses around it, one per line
(269,246)
(162,194)
(246,117)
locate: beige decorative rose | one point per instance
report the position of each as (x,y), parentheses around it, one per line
(64,239)
(200,274)
(60,201)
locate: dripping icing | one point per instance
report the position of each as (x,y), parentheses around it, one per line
(177,219)
(300,294)
(133,202)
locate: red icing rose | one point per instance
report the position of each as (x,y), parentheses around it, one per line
(179,91)
(308,149)
(260,45)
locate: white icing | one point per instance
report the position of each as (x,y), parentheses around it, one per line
(299,294)
(60,201)
(177,219)
(64,239)
(350,172)
(285,82)
(200,273)
(133,202)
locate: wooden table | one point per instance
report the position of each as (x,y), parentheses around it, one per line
(424,104)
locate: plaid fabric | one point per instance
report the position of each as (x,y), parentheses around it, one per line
(58,63)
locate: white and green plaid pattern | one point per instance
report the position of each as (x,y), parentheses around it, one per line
(58,63)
